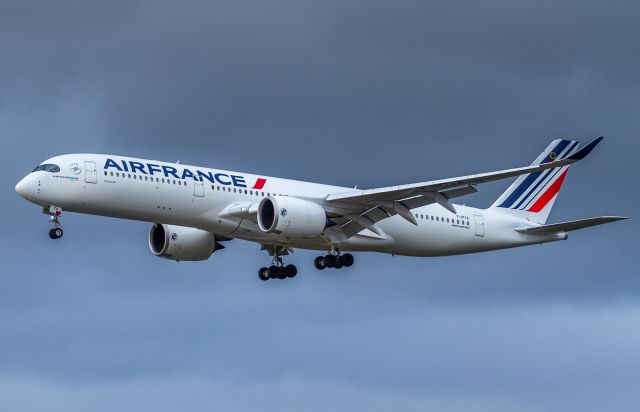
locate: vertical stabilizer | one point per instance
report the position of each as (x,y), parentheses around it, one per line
(532,196)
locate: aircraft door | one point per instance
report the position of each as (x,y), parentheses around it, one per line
(479,225)
(90,173)
(198,189)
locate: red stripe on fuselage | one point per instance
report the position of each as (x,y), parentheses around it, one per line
(549,194)
(260,183)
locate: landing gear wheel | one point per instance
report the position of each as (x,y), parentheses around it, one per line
(330,261)
(55,233)
(320,263)
(263,274)
(282,274)
(347,259)
(290,271)
(338,264)
(277,272)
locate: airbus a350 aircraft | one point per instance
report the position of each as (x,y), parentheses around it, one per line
(193,209)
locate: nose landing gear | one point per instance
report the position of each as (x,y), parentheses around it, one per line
(54,217)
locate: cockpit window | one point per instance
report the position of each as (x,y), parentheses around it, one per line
(47,168)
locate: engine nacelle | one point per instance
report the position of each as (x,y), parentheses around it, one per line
(181,243)
(291,217)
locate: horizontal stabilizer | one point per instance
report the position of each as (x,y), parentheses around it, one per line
(569,226)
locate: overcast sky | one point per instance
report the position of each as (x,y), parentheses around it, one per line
(345,92)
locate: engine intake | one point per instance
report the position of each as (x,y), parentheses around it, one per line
(181,243)
(291,217)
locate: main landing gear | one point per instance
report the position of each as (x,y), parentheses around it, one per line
(54,217)
(333,260)
(277,270)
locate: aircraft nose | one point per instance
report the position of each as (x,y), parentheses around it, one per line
(22,188)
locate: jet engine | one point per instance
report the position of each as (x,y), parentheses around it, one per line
(181,243)
(291,217)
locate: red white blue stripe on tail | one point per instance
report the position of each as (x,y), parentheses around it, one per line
(532,193)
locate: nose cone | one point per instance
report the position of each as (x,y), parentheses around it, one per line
(22,188)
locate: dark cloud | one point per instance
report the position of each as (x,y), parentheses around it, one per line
(351,92)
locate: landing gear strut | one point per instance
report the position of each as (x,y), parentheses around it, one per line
(54,217)
(277,270)
(333,260)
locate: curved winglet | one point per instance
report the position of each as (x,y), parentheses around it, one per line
(583,152)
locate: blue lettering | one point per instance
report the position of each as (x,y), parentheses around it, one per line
(168,170)
(124,165)
(153,168)
(137,166)
(238,181)
(218,175)
(208,176)
(187,173)
(110,163)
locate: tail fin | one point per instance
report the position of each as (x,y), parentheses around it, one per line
(532,196)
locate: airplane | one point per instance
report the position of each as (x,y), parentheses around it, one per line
(193,209)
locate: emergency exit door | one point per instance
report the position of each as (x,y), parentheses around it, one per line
(198,189)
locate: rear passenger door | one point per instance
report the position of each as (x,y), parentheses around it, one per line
(479,225)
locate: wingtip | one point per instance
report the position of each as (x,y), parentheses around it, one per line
(614,218)
(583,152)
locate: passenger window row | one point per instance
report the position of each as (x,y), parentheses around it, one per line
(146,178)
(457,220)
(239,190)
(181,183)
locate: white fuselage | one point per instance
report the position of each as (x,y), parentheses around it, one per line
(209,199)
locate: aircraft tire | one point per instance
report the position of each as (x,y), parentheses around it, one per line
(347,259)
(263,274)
(55,233)
(330,261)
(320,263)
(290,271)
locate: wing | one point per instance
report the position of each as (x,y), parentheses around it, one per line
(357,210)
